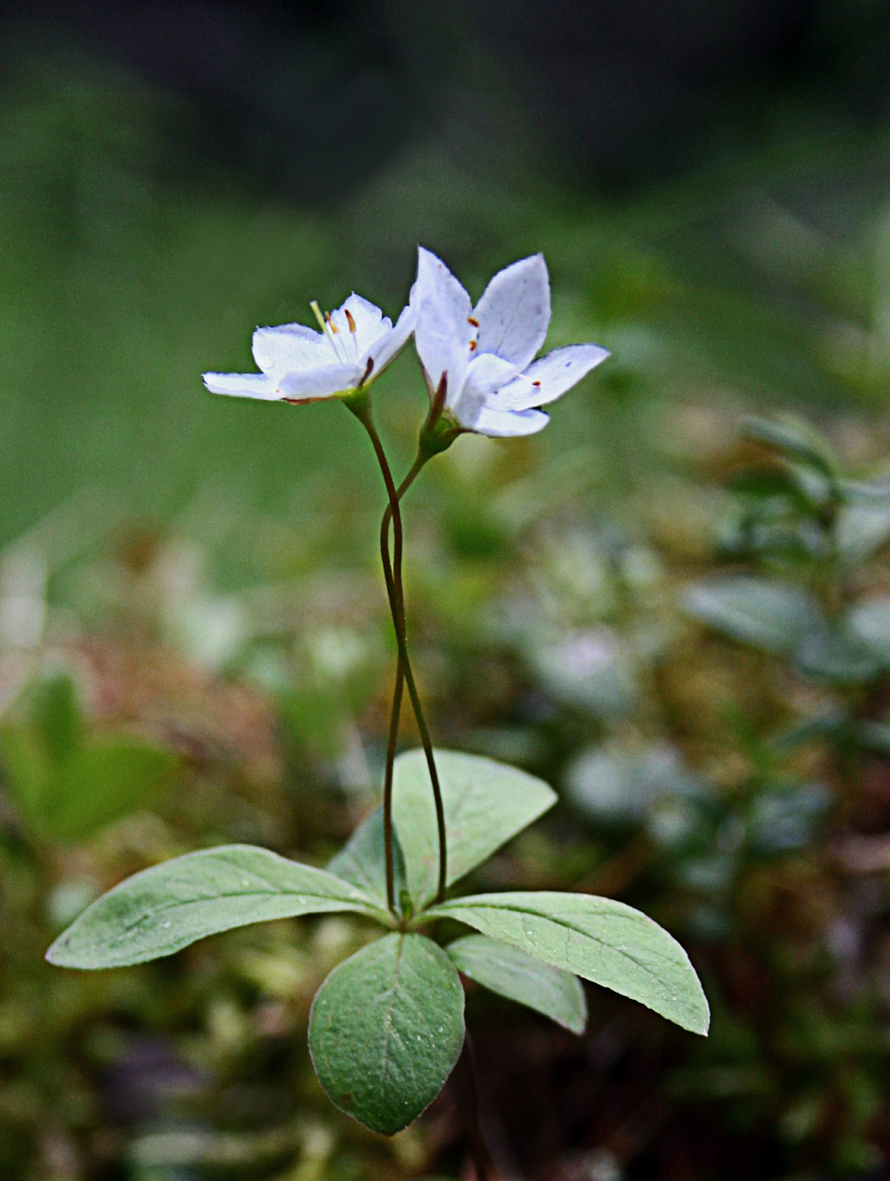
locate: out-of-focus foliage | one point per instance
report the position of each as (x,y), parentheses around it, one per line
(682,627)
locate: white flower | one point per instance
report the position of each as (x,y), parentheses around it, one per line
(493,386)
(299,364)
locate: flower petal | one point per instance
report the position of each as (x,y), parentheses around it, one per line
(488,372)
(548,378)
(506,424)
(242,385)
(514,311)
(323,382)
(289,346)
(370,324)
(485,374)
(443,330)
(391,343)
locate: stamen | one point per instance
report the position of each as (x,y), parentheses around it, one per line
(474,344)
(328,327)
(367,372)
(317,312)
(472,320)
(536,384)
(350,321)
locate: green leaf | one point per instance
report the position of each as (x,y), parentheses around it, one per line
(104,781)
(94,785)
(596,938)
(795,439)
(838,654)
(862,529)
(485,803)
(56,713)
(362,860)
(26,771)
(870,622)
(521,977)
(386,1029)
(165,908)
(771,615)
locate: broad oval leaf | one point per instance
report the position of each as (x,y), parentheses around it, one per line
(486,803)
(386,1029)
(523,978)
(362,860)
(596,938)
(775,616)
(165,908)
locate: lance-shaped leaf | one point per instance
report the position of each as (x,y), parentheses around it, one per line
(163,909)
(362,860)
(386,1029)
(596,938)
(485,803)
(521,977)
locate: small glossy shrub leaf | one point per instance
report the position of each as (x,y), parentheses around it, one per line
(836,654)
(362,860)
(596,938)
(862,528)
(163,909)
(386,1029)
(869,621)
(795,440)
(486,803)
(771,615)
(521,977)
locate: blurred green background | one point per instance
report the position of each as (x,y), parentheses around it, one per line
(679,621)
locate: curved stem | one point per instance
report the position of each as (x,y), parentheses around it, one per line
(479,1154)
(398,689)
(395,593)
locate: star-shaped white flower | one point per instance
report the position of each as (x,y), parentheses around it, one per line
(493,385)
(300,364)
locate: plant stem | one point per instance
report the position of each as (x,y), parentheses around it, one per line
(392,573)
(395,713)
(479,1154)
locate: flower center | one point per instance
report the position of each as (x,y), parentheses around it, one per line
(345,348)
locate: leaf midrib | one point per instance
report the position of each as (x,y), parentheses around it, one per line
(575,930)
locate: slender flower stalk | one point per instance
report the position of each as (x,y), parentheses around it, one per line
(395,593)
(398,691)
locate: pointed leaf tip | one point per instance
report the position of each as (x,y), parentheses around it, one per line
(386,1029)
(599,939)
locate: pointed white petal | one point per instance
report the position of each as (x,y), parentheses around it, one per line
(485,375)
(391,343)
(289,346)
(507,424)
(242,385)
(323,382)
(514,311)
(550,377)
(488,372)
(443,331)
(370,324)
